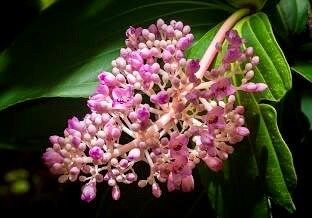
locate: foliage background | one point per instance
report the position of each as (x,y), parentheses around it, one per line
(25,184)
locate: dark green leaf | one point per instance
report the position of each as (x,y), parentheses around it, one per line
(61,53)
(306,106)
(290,17)
(29,125)
(262,166)
(255,4)
(304,69)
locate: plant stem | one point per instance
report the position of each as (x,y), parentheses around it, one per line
(211,51)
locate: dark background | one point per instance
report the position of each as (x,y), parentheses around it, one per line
(27,188)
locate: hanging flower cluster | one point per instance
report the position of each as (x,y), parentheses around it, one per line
(172,117)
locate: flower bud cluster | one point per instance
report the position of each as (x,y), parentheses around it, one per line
(153,108)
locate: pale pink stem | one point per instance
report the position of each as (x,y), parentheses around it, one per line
(211,51)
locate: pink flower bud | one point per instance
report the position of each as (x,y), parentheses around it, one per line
(75,124)
(161,97)
(121,63)
(191,67)
(255,60)
(214,163)
(116,193)
(123,163)
(51,157)
(145,53)
(74,171)
(96,153)
(240,110)
(152,28)
(170,183)
(160,22)
(187,183)
(76,141)
(249,87)
(88,192)
(261,87)
(242,131)
(142,114)
(134,154)
(179,25)
(155,52)
(156,190)
(135,60)
(107,79)
(92,129)
(131,177)
(183,43)
(171,48)
(249,51)
(179,54)
(53,139)
(116,133)
(166,56)
(145,32)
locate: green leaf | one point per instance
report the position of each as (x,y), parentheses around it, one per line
(304,69)
(306,106)
(29,125)
(257,4)
(261,166)
(61,53)
(290,17)
(273,68)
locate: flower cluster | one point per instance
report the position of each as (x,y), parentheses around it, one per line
(153,108)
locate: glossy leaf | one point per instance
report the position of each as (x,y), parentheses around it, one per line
(261,166)
(290,17)
(61,53)
(304,69)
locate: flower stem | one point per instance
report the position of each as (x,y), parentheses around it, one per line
(218,39)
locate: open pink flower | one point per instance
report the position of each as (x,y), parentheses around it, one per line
(122,98)
(215,118)
(191,67)
(107,79)
(100,103)
(178,145)
(135,60)
(221,88)
(75,124)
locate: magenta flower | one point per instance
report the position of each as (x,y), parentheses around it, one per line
(122,98)
(75,124)
(161,97)
(221,88)
(135,60)
(99,102)
(178,145)
(107,79)
(96,153)
(143,115)
(191,67)
(215,119)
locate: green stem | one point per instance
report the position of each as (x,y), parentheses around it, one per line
(212,51)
